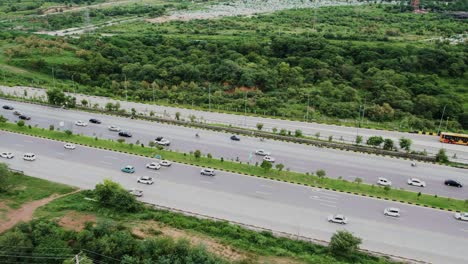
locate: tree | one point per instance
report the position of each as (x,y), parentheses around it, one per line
(358,180)
(68,132)
(358,140)
(109,106)
(321,173)
(330,138)
(197,154)
(3,119)
(442,156)
(84,102)
(56,97)
(344,244)
(405,143)
(375,141)
(266,165)
(279,167)
(177,115)
(20,123)
(259,126)
(112,194)
(388,144)
(4,175)
(298,133)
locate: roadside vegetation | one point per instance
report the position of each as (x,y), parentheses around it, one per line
(265,169)
(382,67)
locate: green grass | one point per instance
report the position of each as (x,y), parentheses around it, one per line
(287,176)
(26,189)
(258,243)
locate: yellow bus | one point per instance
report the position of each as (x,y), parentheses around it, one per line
(454,138)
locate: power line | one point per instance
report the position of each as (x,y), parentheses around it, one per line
(101,255)
(36,257)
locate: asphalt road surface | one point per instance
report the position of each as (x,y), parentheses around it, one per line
(296,157)
(420,142)
(420,233)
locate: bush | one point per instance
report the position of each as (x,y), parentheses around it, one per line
(20,123)
(51,127)
(68,132)
(405,143)
(112,194)
(344,244)
(321,173)
(266,165)
(2,119)
(298,133)
(197,154)
(388,144)
(375,141)
(259,126)
(358,140)
(442,156)
(121,140)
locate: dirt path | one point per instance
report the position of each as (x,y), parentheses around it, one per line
(25,213)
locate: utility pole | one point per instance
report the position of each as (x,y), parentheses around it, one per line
(441,118)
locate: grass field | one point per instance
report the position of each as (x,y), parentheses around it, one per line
(288,176)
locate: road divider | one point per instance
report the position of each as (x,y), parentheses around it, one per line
(307,179)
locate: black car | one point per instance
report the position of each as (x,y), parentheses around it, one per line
(24,117)
(7,107)
(236,138)
(95,121)
(125,134)
(453,183)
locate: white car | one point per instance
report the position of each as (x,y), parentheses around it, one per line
(136,192)
(7,155)
(262,152)
(69,146)
(165,163)
(207,172)
(153,166)
(145,180)
(392,211)
(416,182)
(114,128)
(269,159)
(80,123)
(462,216)
(162,141)
(338,218)
(29,156)
(384,182)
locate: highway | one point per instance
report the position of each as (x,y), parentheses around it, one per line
(296,157)
(348,134)
(420,233)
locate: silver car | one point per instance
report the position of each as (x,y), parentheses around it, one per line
(392,211)
(338,219)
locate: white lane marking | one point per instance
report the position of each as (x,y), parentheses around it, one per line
(60,153)
(264,193)
(315,197)
(19,145)
(105,162)
(28,141)
(329,205)
(266,186)
(204,181)
(111,157)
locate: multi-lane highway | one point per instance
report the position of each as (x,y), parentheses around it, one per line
(420,233)
(302,158)
(420,142)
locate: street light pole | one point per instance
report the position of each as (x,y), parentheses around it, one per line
(446,124)
(441,118)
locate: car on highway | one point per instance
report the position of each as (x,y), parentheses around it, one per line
(136,192)
(7,155)
(262,152)
(95,121)
(453,183)
(145,180)
(69,146)
(8,107)
(24,117)
(392,211)
(208,172)
(416,182)
(384,182)
(338,219)
(17,113)
(114,128)
(269,159)
(162,141)
(461,216)
(128,169)
(235,137)
(125,134)
(29,156)
(165,163)
(80,123)
(153,166)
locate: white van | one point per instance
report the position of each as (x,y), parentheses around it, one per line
(29,156)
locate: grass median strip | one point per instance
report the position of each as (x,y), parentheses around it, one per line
(340,185)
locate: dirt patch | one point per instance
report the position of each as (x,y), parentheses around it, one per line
(25,213)
(151,228)
(278,260)
(76,221)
